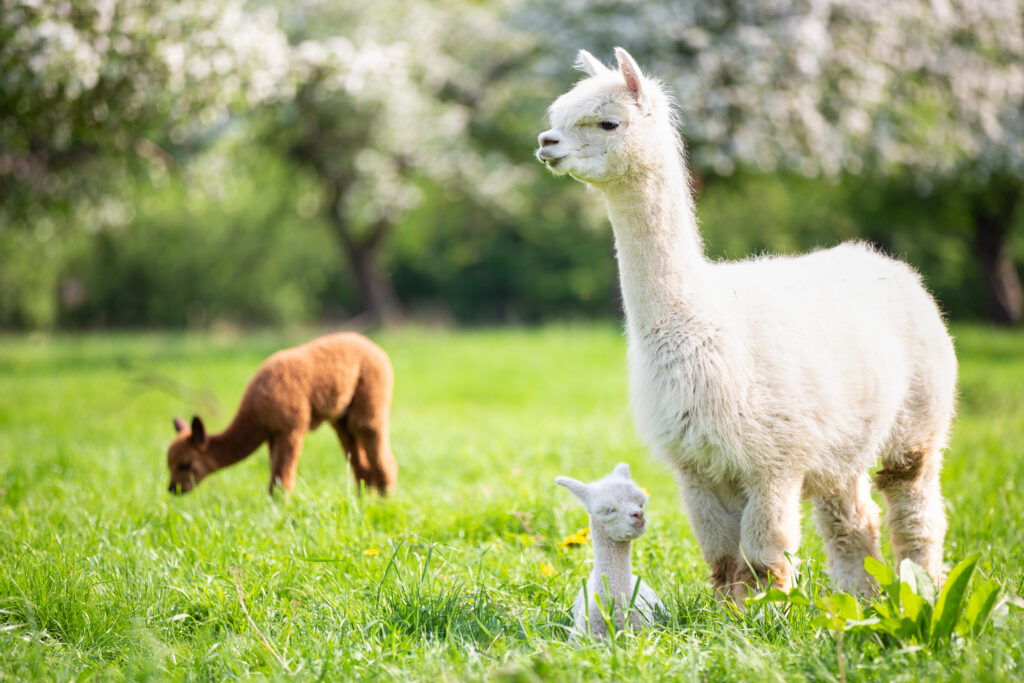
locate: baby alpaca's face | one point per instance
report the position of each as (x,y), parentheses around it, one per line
(186,456)
(616,505)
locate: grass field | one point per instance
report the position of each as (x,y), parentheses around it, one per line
(459,575)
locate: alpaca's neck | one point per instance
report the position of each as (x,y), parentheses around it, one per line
(243,436)
(659,250)
(612,560)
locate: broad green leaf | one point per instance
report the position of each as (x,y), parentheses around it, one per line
(885,577)
(880,570)
(910,630)
(1015,603)
(829,617)
(916,614)
(798,597)
(901,629)
(914,574)
(858,625)
(913,604)
(827,622)
(771,595)
(979,607)
(947,608)
(845,606)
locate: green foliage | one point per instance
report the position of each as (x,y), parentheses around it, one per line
(908,610)
(162,249)
(208,248)
(467,263)
(413,123)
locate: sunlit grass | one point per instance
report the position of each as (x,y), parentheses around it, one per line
(102,572)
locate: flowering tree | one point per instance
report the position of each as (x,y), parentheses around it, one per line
(930,90)
(113,81)
(382,113)
(375,99)
(92,91)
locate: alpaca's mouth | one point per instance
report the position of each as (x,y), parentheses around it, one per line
(545,156)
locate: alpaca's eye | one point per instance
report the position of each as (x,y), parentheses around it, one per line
(608,125)
(607,511)
(184,467)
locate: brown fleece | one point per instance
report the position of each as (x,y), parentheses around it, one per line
(344,379)
(902,473)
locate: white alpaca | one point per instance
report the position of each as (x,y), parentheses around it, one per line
(764,380)
(616,508)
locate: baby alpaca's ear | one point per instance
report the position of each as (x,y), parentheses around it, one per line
(179,425)
(622,471)
(198,436)
(578,488)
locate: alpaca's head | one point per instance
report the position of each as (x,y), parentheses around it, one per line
(615,503)
(187,457)
(613,125)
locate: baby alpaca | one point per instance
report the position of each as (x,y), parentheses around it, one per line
(616,508)
(342,378)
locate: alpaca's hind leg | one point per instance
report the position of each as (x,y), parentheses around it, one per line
(848,524)
(769,529)
(356,456)
(367,422)
(715,520)
(285,450)
(916,515)
(373,448)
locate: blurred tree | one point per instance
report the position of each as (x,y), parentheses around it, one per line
(232,237)
(90,90)
(926,91)
(383,115)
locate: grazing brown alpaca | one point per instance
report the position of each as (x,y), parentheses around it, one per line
(342,378)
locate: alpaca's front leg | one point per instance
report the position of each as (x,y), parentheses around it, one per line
(716,525)
(848,524)
(770,528)
(285,450)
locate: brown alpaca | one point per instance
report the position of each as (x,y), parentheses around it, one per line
(342,378)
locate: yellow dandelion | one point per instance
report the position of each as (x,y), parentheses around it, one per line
(585,532)
(644,491)
(546,569)
(371,552)
(574,539)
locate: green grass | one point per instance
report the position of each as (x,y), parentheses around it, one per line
(105,575)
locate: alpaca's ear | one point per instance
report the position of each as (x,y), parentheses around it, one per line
(622,471)
(634,77)
(589,64)
(179,425)
(578,488)
(198,437)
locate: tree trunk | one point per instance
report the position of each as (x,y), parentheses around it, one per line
(376,294)
(993,213)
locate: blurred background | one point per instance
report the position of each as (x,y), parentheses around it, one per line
(195,164)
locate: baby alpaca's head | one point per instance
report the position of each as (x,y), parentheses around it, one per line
(615,503)
(186,457)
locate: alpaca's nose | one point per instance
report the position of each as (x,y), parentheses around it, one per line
(637,517)
(548,138)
